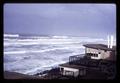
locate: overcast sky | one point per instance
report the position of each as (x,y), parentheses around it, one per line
(61,19)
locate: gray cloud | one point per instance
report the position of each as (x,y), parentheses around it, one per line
(60,19)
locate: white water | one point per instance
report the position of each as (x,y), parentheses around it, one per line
(30,55)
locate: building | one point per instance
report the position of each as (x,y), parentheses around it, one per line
(72,70)
(94,58)
(100,51)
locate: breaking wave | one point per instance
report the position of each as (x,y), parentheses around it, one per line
(11,35)
(34,54)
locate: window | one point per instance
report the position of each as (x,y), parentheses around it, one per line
(96,55)
(62,69)
(105,50)
(99,53)
(71,73)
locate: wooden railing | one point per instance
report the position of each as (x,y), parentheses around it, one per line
(75,57)
(83,61)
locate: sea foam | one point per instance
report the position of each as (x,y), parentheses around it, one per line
(34,54)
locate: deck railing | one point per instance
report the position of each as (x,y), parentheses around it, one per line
(83,61)
(75,57)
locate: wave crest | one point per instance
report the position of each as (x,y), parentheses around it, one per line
(11,35)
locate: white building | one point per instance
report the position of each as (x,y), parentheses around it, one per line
(72,70)
(100,51)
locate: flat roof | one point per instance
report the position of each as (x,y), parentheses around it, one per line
(73,66)
(100,46)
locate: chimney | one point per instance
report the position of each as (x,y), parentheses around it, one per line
(108,40)
(111,42)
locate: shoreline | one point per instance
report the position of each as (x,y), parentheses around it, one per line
(54,73)
(16,75)
(41,75)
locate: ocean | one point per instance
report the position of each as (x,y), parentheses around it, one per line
(31,54)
